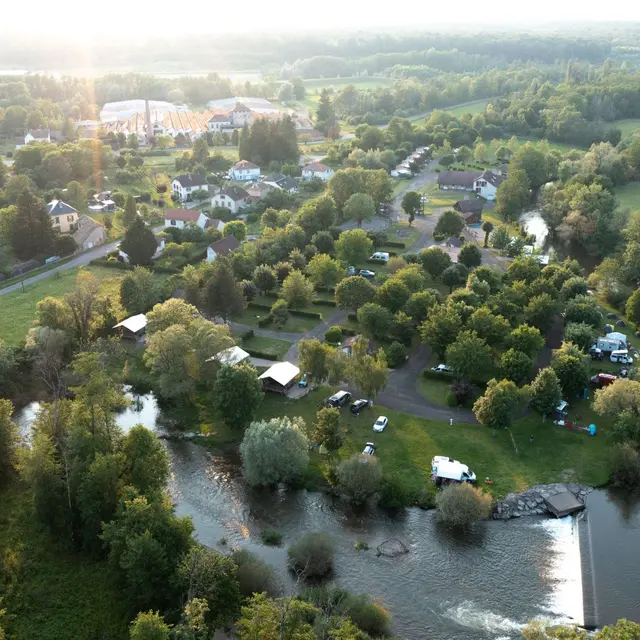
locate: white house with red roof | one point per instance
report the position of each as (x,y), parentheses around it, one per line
(178,218)
(244,171)
(317,170)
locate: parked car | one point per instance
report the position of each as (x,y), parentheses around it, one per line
(367,273)
(369,449)
(339,399)
(621,356)
(352,271)
(442,368)
(358,406)
(380,424)
(603,379)
(446,472)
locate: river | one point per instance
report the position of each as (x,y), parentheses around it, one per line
(483,586)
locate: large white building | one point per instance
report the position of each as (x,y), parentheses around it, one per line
(487,184)
(178,218)
(186,184)
(317,170)
(244,171)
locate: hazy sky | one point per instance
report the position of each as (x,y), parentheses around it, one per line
(205,16)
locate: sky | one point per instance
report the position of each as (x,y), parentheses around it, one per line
(105,20)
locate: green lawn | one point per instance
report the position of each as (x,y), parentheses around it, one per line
(17,309)
(409,443)
(628,196)
(49,592)
(295,324)
(475,107)
(627,127)
(273,346)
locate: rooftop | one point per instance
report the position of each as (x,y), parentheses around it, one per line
(316,167)
(226,245)
(230,356)
(134,323)
(191,180)
(245,164)
(458,178)
(281,372)
(58,208)
(234,192)
(184,215)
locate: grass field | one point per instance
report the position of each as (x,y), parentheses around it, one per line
(627,126)
(369,82)
(295,324)
(628,196)
(50,592)
(272,346)
(475,107)
(409,443)
(17,309)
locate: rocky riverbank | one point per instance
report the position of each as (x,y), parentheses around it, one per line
(532,501)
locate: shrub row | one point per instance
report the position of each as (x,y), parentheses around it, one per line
(265,320)
(348,332)
(247,335)
(111,264)
(258,305)
(305,314)
(326,303)
(256,353)
(434,375)
(397,245)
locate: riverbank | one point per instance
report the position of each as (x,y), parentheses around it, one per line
(532,502)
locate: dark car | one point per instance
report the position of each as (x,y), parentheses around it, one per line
(357,406)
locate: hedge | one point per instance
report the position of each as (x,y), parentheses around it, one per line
(265,320)
(255,353)
(305,314)
(398,245)
(348,332)
(352,316)
(112,264)
(247,335)
(163,269)
(326,303)
(434,375)
(259,305)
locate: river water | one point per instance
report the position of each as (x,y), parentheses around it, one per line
(484,585)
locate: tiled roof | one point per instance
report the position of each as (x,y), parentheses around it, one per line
(492,178)
(86,226)
(235,193)
(458,178)
(245,164)
(184,215)
(226,245)
(316,167)
(191,180)
(58,208)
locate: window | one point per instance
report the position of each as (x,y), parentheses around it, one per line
(173,223)
(57,220)
(70,218)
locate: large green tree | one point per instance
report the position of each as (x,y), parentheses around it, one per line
(512,195)
(516,366)
(434,260)
(139,291)
(237,394)
(354,246)
(31,230)
(354,292)
(546,393)
(223,294)
(498,404)
(376,321)
(324,271)
(368,373)
(359,207)
(393,294)
(139,243)
(441,328)
(571,367)
(411,204)
(297,290)
(469,356)
(450,223)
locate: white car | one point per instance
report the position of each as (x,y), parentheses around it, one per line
(369,449)
(380,424)
(441,368)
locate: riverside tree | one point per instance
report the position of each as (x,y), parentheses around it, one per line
(327,430)
(237,394)
(460,505)
(545,391)
(359,477)
(274,451)
(369,373)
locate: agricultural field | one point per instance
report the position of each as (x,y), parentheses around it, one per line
(628,196)
(367,82)
(628,127)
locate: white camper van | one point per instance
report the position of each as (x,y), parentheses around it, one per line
(445,470)
(621,356)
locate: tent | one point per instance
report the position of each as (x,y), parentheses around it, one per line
(133,327)
(280,377)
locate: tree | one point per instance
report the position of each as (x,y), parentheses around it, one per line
(323,241)
(368,373)
(572,369)
(235,228)
(572,287)
(82,303)
(454,276)
(327,430)
(130,213)
(147,462)
(8,441)
(545,391)
(237,394)
(434,260)
(264,277)
(460,505)
(581,334)
(411,204)
(376,321)
(633,307)
(516,366)
(419,305)
(583,309)
(540,311)
(527,339)
(139,291)
(470,255)
(31,230)
(480,152)
(317,215)
(469,356)
(274,451)
(533,162)
(314,357)
(312,555)
(393,294)
(498,404)
(297,290)
(359,207)
(354,246)
(325,115)
(512,195)
(279,313)
(450,223)
(149,626)
(359,477)
(324,271)
(200,150)
(354,292)
(163,140)
(166,314)
(487,227)
(223,293)
(139,243)
(500,238)
(440,328)
(493,328)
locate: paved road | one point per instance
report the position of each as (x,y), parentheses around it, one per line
(79,261)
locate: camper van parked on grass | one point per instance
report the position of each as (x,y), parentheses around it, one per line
(621,356)
(446,470)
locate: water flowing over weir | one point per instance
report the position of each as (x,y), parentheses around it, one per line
(485,585)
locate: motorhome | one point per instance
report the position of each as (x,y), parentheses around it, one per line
(446,470)
(621,356)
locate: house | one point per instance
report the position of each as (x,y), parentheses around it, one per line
(279,180)
(233,198)
(471,210)
(230,356)
(457,180)
(280,377)
(37,135)
(179,217)
(219,122)
(222,247)
(487,184)
(183,186)
(214,223)
(347,345)
(89,233)
(317,170)
(64,216)
(502,169)
(244,170)
(241,115)
(134,327)
(259,190)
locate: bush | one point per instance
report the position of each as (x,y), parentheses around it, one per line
(410,257)
(265,320)
(396,354)
(247,335)
(312,555)
(306,314)
(450,399)
(325,303)
(394,493)
(271,537)
(256,353)
(258,305)
(333,335)
(346,331)
(359,477)
(352,316)
(461,505)
(395,245)
(434,375)
(626,466)
(253,575)
(425,498)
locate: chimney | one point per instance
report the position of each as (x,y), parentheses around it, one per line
(147,120)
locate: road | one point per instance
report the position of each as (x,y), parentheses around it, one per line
(79,261)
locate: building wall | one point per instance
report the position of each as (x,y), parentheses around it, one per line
(65,222)
(243,175)
(487,191)
(323,175)
(95,239)
(176,224)
(211,254)
(220,200)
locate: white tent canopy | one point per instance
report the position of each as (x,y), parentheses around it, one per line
(134,323)
(281,372)
(230,356)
